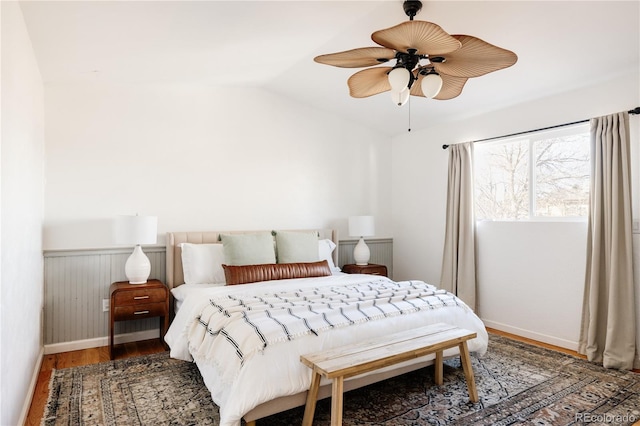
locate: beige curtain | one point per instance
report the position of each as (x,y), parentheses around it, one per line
(459,258)
(607,333)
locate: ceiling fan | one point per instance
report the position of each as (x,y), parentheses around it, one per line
(429,62)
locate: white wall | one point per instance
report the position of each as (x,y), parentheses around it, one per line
(21,212)
(531,278)
(518,263)
(203,158)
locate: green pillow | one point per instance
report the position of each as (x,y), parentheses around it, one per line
(248,249)
(295,247)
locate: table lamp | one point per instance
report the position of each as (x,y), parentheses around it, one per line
(361,226)
(137,230)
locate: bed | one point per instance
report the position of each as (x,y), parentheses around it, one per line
(247,339)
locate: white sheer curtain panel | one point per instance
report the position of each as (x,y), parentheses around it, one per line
(608,332)
(459,258)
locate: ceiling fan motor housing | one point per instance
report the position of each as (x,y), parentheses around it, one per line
(412,7)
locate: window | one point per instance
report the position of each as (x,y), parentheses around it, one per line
(537,176)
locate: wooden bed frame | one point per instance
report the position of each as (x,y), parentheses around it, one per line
(175,277)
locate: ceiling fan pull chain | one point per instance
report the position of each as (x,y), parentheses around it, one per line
(409,102)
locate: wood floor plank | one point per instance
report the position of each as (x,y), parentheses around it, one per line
(103,353)
(92,356)
(546,346)
(535,342)
(40,396)
(48,362)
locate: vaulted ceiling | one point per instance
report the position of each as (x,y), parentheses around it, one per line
(561,45)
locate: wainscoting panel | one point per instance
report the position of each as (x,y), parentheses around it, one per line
(76,282)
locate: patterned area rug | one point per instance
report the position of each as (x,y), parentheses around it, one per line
(517,384)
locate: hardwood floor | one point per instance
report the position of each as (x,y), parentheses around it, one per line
(76,359)
(535,342)
(101,354)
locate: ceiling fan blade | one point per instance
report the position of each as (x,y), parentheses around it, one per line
(451,87)
(426,37)
(357,58)
(475,58)
(369,82)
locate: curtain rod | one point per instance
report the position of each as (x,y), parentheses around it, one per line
(636,110)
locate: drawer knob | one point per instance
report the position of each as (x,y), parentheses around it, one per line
(140,312)
(140,297)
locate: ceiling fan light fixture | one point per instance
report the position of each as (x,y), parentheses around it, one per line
(431,85)
(453,59)
(399,79)
(400,98)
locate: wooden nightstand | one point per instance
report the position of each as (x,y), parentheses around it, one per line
(371,268)
(137,301)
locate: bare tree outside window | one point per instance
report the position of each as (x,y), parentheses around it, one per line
(562,176)
(502,181)
(539,177)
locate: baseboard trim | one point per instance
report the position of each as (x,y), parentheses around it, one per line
(540,337)
(56,348)
(26,406)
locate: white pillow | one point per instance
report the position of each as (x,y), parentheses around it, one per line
(325,250)
(202,263)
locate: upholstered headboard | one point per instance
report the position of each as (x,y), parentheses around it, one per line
(175,275)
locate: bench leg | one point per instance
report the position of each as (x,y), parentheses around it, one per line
(336,401)
(438,368)
(468,371)
(312,399)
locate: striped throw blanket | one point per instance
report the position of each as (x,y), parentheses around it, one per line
(238,327)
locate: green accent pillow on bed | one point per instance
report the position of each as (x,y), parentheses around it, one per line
(248,249)
(295,247)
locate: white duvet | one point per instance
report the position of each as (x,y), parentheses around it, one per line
(275,370)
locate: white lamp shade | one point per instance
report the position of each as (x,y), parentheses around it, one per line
(136,229)
(399,79)
(361,226)
(400,98)
(431,85)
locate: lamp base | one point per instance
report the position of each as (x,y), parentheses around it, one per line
(138,267)
(361,253)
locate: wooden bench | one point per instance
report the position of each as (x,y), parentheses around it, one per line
(362,357)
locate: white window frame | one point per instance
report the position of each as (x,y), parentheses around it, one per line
(531,138)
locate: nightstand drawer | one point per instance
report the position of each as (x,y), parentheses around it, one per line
(371,269)
(145,310)
(140,296)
